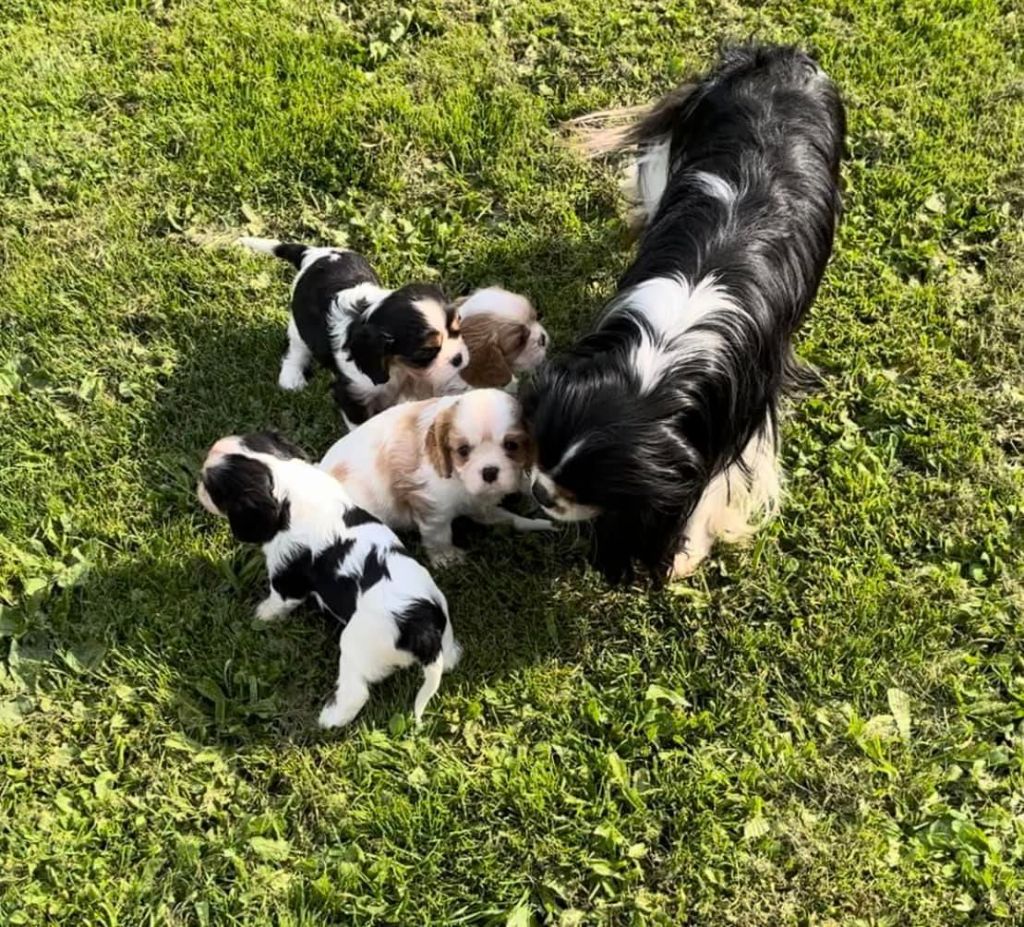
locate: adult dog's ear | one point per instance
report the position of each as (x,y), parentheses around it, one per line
(370,348)
(243,489)
(439,441)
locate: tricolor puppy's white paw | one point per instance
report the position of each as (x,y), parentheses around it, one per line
(291,379)
(269,610)
(332,716)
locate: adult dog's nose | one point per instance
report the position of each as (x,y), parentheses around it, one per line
(542,495)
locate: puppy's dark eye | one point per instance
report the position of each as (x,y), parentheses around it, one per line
(463,451)
(510,445)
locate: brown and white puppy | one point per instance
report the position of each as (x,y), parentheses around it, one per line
(422,464)
(503,336)
(380,344)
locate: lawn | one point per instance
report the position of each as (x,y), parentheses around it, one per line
(824,728)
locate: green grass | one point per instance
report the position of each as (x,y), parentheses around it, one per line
(826,728)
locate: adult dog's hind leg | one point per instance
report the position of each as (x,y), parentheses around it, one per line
(736,502)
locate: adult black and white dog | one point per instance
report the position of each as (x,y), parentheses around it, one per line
(661,423)
(381,345)
(320,546)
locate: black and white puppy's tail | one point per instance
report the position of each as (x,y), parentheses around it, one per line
(287,251)
(447,658)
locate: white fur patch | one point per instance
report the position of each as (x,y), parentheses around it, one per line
(571,451)
(671,308)
(498,301)
(735,503)
(716,186)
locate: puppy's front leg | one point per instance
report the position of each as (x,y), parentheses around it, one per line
(498,515)
(274,606)
(437,539)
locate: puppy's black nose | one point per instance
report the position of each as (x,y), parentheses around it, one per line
(490,474)
(542,340)
(457,360)
(541,494)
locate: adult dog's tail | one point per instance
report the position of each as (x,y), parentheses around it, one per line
(286,251)
(646,132)
(649,132)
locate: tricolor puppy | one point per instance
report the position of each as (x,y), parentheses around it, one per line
(662,422)
(378,343)
(503,337)
(320,546)
(422,464)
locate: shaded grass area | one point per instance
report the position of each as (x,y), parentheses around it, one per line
(824,728)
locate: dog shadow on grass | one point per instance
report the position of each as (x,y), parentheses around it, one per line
(181,629)
(189,615)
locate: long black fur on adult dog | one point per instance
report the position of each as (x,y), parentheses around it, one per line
(662,422)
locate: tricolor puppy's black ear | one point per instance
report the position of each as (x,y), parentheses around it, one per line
(274,443)
(371,349)
(243,489)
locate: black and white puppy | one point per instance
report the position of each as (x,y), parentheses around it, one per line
(378,343)
(661,423)
(320,546)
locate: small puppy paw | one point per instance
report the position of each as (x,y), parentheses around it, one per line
(447,557)
(331,716)
(268,610)
(291,379)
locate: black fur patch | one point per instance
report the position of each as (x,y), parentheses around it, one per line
(356,516)
(271,442)
(353,410)
(314,294)
(375,568)
(421,625)
(243,489)
(338,594)
(294,578)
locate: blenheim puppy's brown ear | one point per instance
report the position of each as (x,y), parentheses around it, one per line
(488,361)
(439,441)
(511,337)
(487,366)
